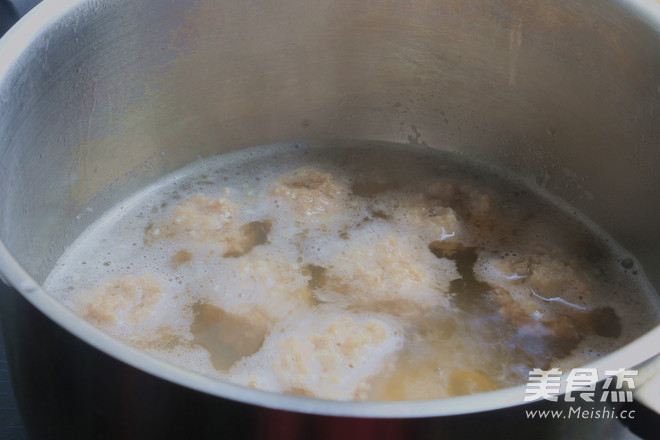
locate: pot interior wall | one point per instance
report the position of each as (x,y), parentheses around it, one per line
(118,93)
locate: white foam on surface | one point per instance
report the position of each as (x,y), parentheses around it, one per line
(374,251)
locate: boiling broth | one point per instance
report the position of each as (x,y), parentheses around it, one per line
(355,271)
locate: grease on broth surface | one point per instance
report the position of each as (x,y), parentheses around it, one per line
(354,272)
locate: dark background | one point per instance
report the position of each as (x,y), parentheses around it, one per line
(11,426)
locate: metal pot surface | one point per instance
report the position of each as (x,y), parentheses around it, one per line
(100,98)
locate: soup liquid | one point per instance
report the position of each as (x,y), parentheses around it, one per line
(364,271)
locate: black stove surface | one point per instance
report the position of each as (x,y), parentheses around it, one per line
(11,425)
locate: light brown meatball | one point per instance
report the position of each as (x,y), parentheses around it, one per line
(260,287)
(126,300)
(311,193)
(391,275)
(326,354)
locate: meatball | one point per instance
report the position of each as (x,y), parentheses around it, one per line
(201,222)
(198,219)
(327,353)
(128,300)
(546,298)
(260,287)
(391,274)
(311,194)
(472,204)
(537,286)
(434,222)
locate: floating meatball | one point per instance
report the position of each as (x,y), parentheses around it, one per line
(390,274)
(536,286)
(145,313)
(434,222)
(539,284)
(327,354)
(472,204)
(209,222)
(139,310)
(547,299)
(199,219)
(127,300)
(311,193)
(260,287)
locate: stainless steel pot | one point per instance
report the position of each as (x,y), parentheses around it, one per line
(101,97)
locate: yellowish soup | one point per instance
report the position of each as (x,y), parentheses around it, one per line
(354,272)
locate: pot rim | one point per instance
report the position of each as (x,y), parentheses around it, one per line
(17,44)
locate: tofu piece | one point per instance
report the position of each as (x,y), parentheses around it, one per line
(327,353)
(129,300)
(310,193)
(389,274)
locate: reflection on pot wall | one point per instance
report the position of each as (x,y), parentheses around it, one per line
(552,91)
